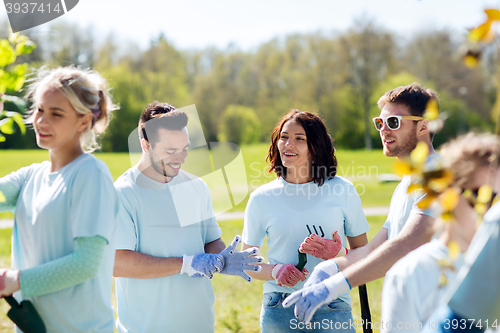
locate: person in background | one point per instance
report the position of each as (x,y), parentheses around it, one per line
(472,302)
(65,208)
(414,287)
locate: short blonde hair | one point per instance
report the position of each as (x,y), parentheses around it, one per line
(465,154)
(87,92)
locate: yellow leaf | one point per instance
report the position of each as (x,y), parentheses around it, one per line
(480,33)
(449,199)
(432,109)
(484,194)
(402,168)
(419,154)
(414,187)
(471,61)
(440,181)
(426,201)
(2,197)
(493,14)
(447,217)
(481,208)
(454,249)
(442,281)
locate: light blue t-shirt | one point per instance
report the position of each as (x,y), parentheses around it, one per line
(286,213)
(52,209)
(412,289)
(475,294)
(404,204)
(165,220)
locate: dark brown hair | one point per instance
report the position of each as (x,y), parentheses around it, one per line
(414,96)
(319,142)
(165,116)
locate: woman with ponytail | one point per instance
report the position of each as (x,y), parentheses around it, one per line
(65,208)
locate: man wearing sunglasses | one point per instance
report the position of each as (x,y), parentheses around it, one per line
(401,126)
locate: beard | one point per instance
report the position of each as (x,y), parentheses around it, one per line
(160,167)
(403,148)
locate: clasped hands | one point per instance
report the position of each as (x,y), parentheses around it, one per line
(229,261)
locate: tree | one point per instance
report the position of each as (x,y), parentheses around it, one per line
(239,124)
(12,80)
(369,57)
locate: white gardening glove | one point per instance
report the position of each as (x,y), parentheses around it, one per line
(237,262)
(310,299)
(202,264)
(321,272)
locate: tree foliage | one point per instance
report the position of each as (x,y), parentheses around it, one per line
(239,124)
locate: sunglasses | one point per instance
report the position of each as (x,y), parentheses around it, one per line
(471,196)
(393,122)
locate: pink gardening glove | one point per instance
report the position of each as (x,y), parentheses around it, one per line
(288,275)
(323,248)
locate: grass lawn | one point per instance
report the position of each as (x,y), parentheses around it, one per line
(237,302)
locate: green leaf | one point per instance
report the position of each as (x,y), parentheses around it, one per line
(7,126)
(2,197)
(7,53)
(19,120)
(25,47)
(2,138)
(18,101)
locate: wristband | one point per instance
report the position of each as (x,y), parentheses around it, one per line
(275,270)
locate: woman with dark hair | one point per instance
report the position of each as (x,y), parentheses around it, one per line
(307,208)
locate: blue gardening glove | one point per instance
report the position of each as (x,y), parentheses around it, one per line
(202,264)
(310,299)
(321,272)
(237,262)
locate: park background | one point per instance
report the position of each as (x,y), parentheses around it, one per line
(242,87)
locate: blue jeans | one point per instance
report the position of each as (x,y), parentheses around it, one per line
(334,317)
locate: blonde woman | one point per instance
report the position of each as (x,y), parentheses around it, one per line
(65,208)
(412,288)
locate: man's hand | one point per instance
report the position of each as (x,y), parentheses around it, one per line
(288,275)
(310,299)
(9,282)
(237,262)
(321,272)
(202,264)
(323,248)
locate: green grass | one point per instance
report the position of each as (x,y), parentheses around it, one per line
(237,302)
(361,167)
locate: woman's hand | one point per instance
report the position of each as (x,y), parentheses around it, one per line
(9,282)
(288,275)
(323,248)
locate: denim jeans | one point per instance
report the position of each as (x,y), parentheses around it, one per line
(334,317)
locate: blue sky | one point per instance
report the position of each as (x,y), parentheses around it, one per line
(248,23)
